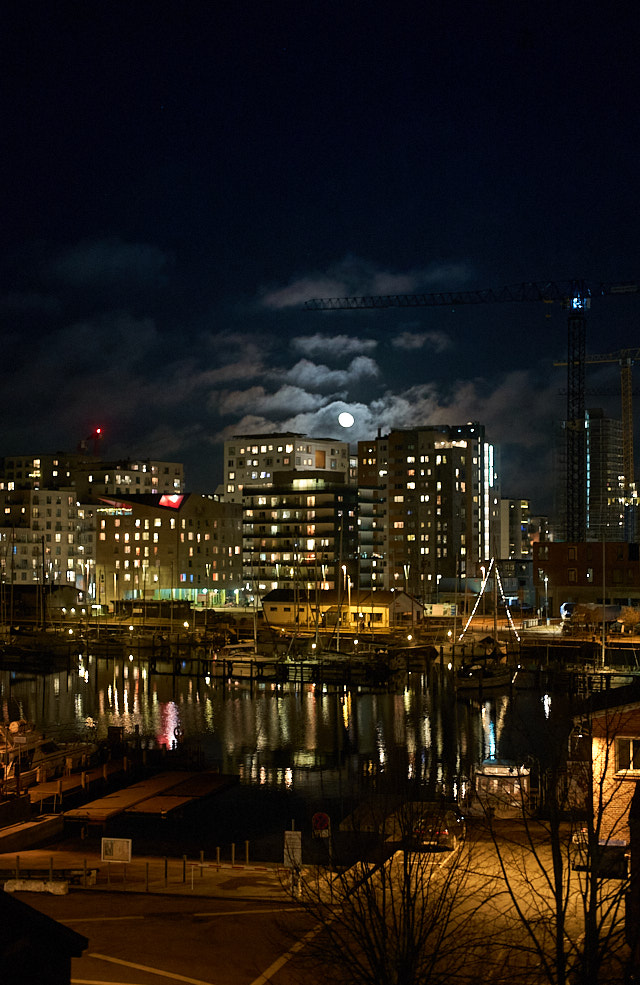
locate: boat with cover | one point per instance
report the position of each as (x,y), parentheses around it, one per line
(27,753)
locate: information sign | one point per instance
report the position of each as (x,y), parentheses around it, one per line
(293,849)
(116,849)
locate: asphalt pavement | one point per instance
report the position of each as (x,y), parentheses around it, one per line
(69,866)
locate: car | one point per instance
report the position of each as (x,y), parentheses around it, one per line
(439,827)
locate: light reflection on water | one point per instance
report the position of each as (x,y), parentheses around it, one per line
(293,738)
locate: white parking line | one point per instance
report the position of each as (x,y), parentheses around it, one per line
(151,971)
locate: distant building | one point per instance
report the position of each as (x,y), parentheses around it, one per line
(575,573)
(41,539)
(514,539)
(89,475)
(429,505)
(605,477)
(252,460)
(300,530)
(184,546)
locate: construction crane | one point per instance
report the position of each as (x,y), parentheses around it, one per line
(574,295)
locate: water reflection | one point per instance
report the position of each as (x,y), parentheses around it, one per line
(277,735)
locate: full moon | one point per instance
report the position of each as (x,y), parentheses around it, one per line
(346,419)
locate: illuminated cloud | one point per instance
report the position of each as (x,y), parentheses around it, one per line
(353,276)
(316,376)
(410,341)
(336,346)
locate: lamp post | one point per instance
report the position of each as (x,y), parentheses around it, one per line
(546,598)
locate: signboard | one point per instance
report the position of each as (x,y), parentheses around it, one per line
(116,850)
(293,849)
(440,609)
(321,825)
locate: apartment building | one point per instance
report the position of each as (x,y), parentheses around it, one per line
(171,546)
(429,506)
(90,476)
(300,532)
(250,461)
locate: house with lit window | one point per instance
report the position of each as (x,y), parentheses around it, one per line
(604,759)
(349,610)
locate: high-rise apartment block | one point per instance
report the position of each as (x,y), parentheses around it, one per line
(514,540)
(429,503)
(605,478)
(300,532)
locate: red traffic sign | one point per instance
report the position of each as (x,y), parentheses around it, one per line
(320,823)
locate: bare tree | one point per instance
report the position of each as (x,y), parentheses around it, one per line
(400,910)
(562,865)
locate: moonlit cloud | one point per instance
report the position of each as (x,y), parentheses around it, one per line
(410,341)
(336,346)
(316,376)
(353,276)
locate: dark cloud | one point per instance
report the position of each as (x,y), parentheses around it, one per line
(108,262)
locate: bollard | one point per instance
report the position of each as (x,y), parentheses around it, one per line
(233,854)
(166,870)
(104,771)
(246,853)
(218,857)
(184,868)
(83,780)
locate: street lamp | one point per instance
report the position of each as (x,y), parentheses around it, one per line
(546,598)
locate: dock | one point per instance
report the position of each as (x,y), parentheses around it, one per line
(157,796)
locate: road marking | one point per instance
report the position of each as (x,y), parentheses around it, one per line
(151,971)
(266,976)
(104,919)
(242,913)
(188,913)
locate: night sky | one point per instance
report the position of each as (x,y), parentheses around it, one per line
(178,178)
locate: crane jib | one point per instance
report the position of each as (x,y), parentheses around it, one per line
(571,294)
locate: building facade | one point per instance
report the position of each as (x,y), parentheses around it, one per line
(514,540)
(429,506)
(175,546)
(300,531)
(605,495)
(90,476)
(250,461)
